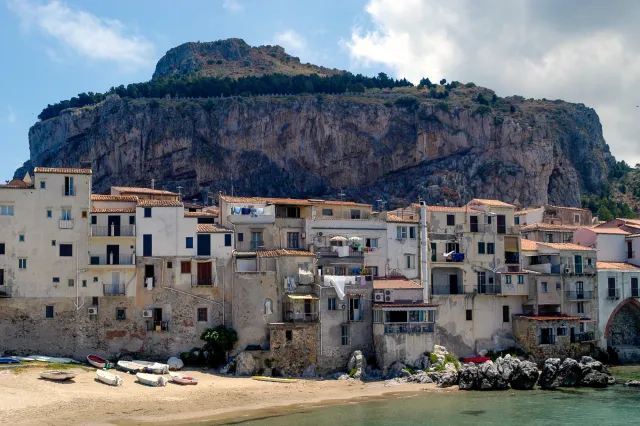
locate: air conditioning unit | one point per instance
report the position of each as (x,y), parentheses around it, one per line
(388,296)
(147,313)
(378,296)
(343,306)
(93,311)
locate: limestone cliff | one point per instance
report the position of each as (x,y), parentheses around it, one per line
(373,146)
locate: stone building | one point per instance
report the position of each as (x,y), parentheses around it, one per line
(554,215)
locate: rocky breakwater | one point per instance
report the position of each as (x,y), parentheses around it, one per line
(438,367)
(502,374)
(569,372)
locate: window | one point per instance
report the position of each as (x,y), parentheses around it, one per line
(147,212)
(22,263)
(94,220)
(1,276)
(6,210)
(634,287)
(95,279)
(132,220)
(169,265)
(589,261)
(480,247)
(121,314)
(516,220)
(355,309)
(451,220)
(473,223)
(345,335)
(505,313)
(2,249)
(66,214)
(412,232)
(582,327)
(469,314)
(371,243)
(561,331)
(43,184)
(56,279)
(543,287)
(611,287)
(69,188)
(189,243)
(401,232)
(581,307)
(410,261)
(84,283)
(546,336)
(203,315)
(507,279)
(84,214)
(355,214)
(491,248)
(292,212)
(373,270)
(558,286)
(227,240)
(21,238)
(49,214)
(66,250)
(48,312)
(548,238)
(331,304)
(576,218)
(327,212)
(488,220)
(377,316)
(293,240)
(288,335)
(71,283)
(256,240)
(185,267)
(53,243)
(520,279)
(578,263)
(240,236)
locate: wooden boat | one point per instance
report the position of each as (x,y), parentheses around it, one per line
(97,361)
(130,366)
(151,379)
(153,367)
(8,360)
(23,358)
(182,379)
(44,358)
(274,379)
(109,378)
(477,359)
(58,375)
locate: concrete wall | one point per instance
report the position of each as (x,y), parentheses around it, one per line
(169,228)
(405,348)
(397,250)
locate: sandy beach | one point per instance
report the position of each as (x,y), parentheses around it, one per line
(27,399)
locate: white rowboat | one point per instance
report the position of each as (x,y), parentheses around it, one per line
(58,375)
(109,378)
(183,379)
(153,367)
(151,380)
(130,366)
(44,358)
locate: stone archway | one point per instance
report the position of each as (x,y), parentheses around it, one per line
(623,327)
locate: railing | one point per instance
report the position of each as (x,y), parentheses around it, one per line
(330,253)
(5,291)
(157,325)
(409,327)
(69,191)
(65,224)
(487,289)
(579,295)
(586,336)
(301,317)
(256,245)
(444,289)
(201,281)
(113,231)
(111,259)
(613,293)
(113,289)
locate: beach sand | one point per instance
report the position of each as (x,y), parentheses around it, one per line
(27,399)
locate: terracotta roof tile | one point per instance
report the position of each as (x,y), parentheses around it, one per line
(567,246)
(395,282)
(548,318)
(209,228)
(65,171)
(199,214)
(446,209)
(159,203)
(138,190)
(617,265)
(274,253)
(528,245)
(548,206)
(123,210)
(289,201)
(399,219)
(549,227)
(526,211)
(491,203)
(600,230)
(17,184)
(106,197)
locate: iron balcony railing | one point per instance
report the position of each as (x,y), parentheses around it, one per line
(113,289)
(445,289)
(5,291)
(586,336)
(579,295)
(201,281)
(157,325)
(301,317)
(613,293)
(65,224)
(112,259)
(113,231)
(325,252)
(409,328)
(68,191)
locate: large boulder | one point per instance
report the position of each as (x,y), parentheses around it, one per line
(525,377)
(506,367)
(488,376)
(245,364)
(447,378)
(595,379)
(468,377)
(440,350)
(359,363)
(423,362)
(569,373)
(309,372)
(395,370)
(633,383)
(421,377)
(549,373)
(586,360)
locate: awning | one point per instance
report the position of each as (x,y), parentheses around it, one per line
(510,244)
(302,297)
(338,238)
(355,238)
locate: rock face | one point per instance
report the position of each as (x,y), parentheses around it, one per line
(550,373)
(525,377)
(358,363)
(313,146)
(569,373)
(468,377)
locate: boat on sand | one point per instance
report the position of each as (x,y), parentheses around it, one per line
(130,366)
(44,358)
(97,361)
(151,379)
(109,378)
(183,379)
(8,360)
(273,379)
(58,375)
(153,367)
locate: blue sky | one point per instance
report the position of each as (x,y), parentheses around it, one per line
(577,50)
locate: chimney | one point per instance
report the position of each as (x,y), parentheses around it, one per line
(424,264)
(153,184)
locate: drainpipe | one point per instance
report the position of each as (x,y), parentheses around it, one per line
(424,265)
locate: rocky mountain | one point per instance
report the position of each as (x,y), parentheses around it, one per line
(444,143)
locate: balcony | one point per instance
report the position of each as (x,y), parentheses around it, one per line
(68,191)
(298,317)
(579,295)
(445,289)
(486,289)
(201,281)
(113,231)
(409,328)
(511,258)
(113,289)
(111,259)
(65,224)
(162,326)
(5,291)
(339,252)
(613,293)
(586,336)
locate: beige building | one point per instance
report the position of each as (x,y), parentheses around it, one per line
(554,215)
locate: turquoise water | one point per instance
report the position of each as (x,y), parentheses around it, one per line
(614,406)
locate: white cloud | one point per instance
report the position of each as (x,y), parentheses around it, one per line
(85,34)
(294,43)
(233,6)
(590,55)
(11,118)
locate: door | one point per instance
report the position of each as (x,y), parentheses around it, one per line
(307,310)
(630,249)
(147,245)
(453,284)
(204,244)
(580,290)
(149,272)
(502,224)
(204,274)
(115,283)
(578,262)
(113,255)
(68,186)
(473,222)
(157,318)
(114,226)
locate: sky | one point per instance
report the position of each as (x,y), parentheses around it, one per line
(582,51)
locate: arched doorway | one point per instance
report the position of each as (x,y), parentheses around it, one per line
(623,330)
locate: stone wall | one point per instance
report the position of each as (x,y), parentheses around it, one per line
(526,332)
(293,346)
(405,348)
(625,326)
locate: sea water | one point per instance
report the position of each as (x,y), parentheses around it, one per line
(617,405)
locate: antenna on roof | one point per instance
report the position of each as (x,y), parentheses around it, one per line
(342,195)
(180,192)
(382,203)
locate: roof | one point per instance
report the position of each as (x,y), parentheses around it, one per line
(491,203)
(104,197)
(208,228)
(199,214)
(617,231)
(405,305)
(129,210)
(290,201)
(395,282)
(17,184)
(526,211)
(138,190)
(567,246)
(548,318)
(193,206)
(65,171)
(549,207)
(549,227)
(617,265)
(274,253)
(528,245)
(159,203)
(446,209)
(400,219)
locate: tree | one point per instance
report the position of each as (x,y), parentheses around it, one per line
(605,214)
(481,99)
(218,341)
(425,82)
(443,81)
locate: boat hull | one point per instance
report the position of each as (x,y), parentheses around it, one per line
(181,379)
(97,361)
(273,379)
(151,380)
(57,375)
(153,367)
(130,367)
(108,378)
